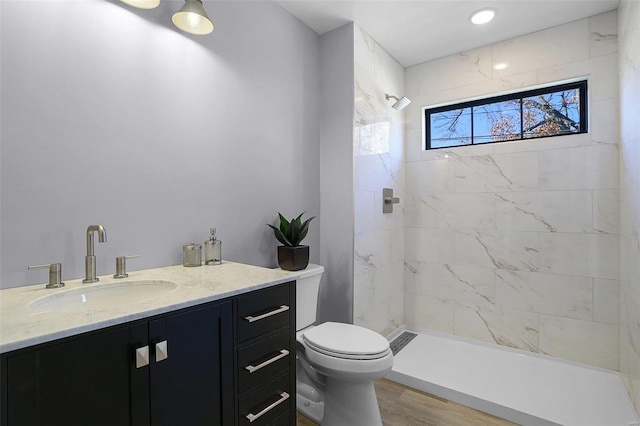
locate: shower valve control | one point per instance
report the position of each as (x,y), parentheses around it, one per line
(388,200)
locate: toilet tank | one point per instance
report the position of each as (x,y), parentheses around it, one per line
(307,288)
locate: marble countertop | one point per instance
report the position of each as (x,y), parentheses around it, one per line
(21,326)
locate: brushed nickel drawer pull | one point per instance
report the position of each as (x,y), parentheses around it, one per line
(282,354)
(283,397)
(282,308)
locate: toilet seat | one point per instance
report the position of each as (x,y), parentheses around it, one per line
(346,341)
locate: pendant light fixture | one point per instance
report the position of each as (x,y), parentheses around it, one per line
(192,18)
(142,4)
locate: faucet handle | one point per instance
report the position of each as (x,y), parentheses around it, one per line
(55,274)
(121,266)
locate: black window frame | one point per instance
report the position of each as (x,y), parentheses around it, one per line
(581,86)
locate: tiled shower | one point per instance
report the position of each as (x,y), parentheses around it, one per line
(378,151)
(519,244)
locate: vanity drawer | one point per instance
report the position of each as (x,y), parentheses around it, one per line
(262,311)
(260,361)
(284,420)
(267,404)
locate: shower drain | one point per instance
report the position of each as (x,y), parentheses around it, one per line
(401,341)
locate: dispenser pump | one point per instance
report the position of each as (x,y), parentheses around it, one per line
(212,249)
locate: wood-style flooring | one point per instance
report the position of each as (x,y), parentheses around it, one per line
(404,406)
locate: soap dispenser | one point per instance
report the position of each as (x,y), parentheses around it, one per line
(212,249)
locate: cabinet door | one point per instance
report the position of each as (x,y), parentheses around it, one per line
(187,371)
(80,381)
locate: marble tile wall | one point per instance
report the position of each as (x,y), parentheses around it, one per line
(629,16)
(378,153)
(517,243)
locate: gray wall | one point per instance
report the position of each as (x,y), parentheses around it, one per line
(111,116)
(336,174)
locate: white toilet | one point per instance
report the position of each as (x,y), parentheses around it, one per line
(336,363)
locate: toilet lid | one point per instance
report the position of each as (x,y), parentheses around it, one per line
(346,341)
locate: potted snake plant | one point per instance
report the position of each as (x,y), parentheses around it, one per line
(292,256)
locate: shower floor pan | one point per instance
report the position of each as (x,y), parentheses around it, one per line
(522,387)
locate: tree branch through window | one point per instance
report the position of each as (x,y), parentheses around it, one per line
(553,111)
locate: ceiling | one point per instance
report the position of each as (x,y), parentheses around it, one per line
(418,31)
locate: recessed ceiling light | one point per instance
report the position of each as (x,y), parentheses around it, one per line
(500,66)
(483,16)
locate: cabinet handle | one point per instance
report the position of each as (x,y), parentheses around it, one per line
(282,308)
(282,354)
(162,352)
(142,356)
(283,397)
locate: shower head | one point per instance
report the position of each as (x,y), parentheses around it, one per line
(400,103)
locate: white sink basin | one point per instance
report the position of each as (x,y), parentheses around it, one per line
(97,296)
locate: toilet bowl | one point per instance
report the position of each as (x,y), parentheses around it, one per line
(342,361)
(337,363)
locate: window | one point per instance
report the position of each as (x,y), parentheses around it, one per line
(551,111)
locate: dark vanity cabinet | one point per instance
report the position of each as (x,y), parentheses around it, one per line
(266,356)
(168,370)
(186,367)
(71,382)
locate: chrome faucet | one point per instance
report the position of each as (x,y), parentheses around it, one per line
(90,259)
